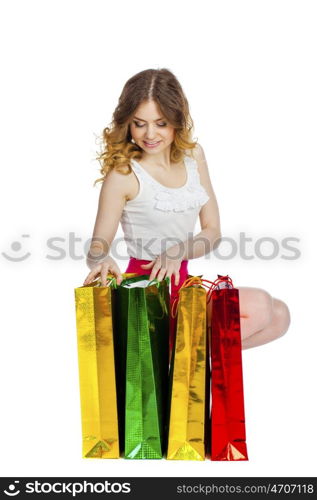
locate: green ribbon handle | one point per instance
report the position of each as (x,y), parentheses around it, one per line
(156,282)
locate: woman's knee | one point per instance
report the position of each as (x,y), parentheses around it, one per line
(282,315)
(256,301)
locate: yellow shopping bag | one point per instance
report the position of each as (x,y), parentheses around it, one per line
(186,428)
(97,379)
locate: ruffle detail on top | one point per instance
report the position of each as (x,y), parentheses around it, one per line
(184,199)
(187,197)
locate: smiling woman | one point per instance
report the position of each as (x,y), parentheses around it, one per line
(153,133)
(156,183)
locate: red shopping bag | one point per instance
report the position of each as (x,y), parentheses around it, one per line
(228,436)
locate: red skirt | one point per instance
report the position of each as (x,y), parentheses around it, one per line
(134,266)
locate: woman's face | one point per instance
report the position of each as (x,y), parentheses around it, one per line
(149,129)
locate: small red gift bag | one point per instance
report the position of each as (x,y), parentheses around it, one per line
(228,437)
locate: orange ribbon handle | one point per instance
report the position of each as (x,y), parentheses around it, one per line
(222,279)
(194,280)
(186,283)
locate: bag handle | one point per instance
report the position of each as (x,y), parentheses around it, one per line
(213,285)
(194,280)
(156,282)
(162,303)
(112,282)
(221,279)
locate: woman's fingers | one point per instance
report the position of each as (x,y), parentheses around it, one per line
(177,277)
(104,274)
(108,267)
(164,273)
(161,274)
(91,276)
(169,275)
(147,266)
(155,269)
(118,276)
(116,272)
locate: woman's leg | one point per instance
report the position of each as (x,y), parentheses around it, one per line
(263,318)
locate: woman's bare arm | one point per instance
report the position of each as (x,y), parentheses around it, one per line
(210,235)
(202,243)
(209,214)
(112,198)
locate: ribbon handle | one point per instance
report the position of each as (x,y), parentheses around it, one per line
(220,282)
(192,281)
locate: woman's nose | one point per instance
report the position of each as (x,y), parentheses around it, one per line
(150,133)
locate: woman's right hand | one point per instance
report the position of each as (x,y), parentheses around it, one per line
(108,265)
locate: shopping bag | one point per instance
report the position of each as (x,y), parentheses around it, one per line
(187,402)
(96,363)
(228,436)
(141,338)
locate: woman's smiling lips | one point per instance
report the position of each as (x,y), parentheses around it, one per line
(151,145)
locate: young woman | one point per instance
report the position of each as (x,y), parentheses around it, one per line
(156,183)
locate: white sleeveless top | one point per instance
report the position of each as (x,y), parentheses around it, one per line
(159,217)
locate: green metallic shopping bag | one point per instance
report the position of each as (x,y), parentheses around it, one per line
(141,324)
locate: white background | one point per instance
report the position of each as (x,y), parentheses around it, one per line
(248,69)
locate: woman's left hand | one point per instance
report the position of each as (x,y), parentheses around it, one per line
(166,266)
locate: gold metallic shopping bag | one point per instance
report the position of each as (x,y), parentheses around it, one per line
(97,380)
(186,428)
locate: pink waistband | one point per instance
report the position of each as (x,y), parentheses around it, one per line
(134,266)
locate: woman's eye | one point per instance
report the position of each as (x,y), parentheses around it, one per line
(140,126)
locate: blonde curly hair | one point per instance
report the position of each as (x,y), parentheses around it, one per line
(161,86)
